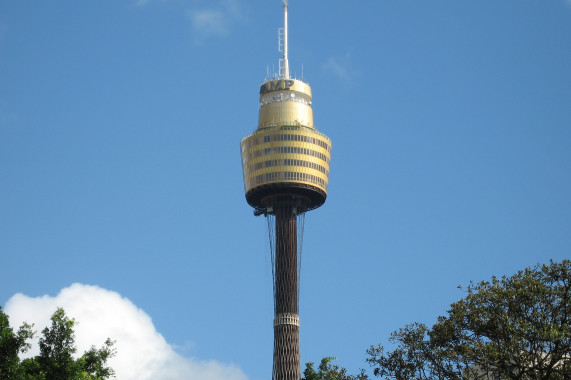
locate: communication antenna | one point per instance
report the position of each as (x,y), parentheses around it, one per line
(282,46)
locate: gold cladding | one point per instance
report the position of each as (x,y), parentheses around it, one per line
(287,111)
(286,134)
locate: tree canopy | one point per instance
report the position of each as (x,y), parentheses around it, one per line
(329,371)
(56,359)
(514,327)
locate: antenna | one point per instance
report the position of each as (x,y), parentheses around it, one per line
(282,46)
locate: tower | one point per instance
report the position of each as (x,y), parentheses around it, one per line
(285,164)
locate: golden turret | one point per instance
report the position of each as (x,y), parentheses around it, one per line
(286,155)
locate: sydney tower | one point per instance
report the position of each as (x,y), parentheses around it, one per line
(285,163)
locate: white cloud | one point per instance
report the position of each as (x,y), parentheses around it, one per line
(142,353)
(341,67)
(215,21)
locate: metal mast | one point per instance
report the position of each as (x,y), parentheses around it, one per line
(286,172)
(285,73)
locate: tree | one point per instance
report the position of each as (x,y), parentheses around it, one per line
(12,344)
(514,327)
(328,371)
(93,362)
(57,347)
(56,359)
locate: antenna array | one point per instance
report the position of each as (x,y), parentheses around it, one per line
(283,46)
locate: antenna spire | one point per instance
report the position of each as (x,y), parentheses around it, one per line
(284,62)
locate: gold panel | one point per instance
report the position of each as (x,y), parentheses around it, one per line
(283,169)
(281,156)
(266,152)
(280,177)
(291,148)
(292,113)
(300,137)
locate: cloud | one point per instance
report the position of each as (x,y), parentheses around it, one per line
(215,21)
(341,67)
(142,352)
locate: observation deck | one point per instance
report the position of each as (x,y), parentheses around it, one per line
(286,157)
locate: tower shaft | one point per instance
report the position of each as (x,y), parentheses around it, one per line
(286,365)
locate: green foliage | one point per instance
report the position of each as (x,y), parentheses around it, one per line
(57,347)
(93,362)
(56,359)
(11,344)
(514,327)
(328,371)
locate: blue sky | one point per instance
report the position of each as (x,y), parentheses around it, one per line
(120,123)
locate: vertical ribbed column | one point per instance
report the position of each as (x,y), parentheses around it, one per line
(286,320)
